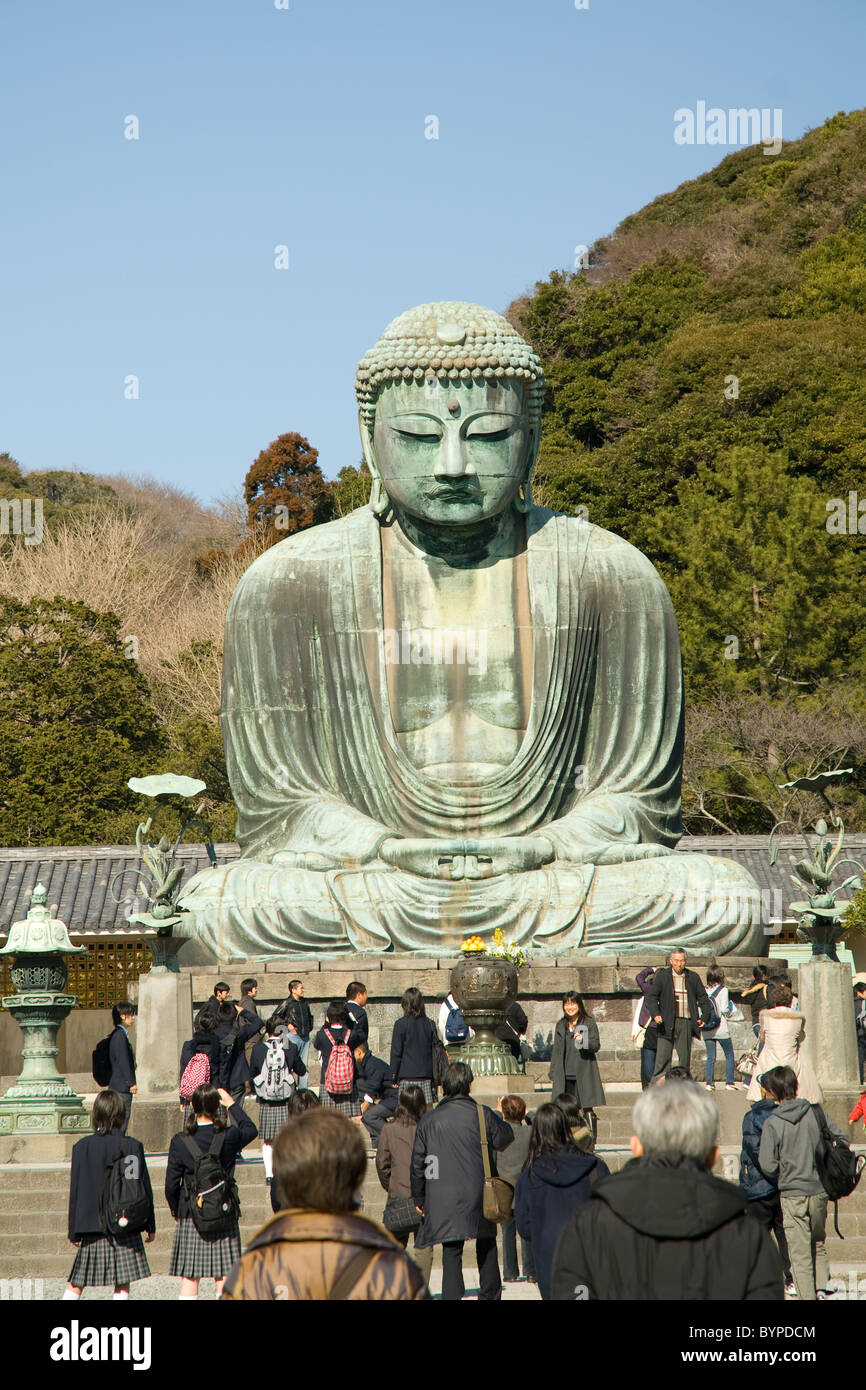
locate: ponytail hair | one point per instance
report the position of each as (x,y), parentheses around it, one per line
(205,1100)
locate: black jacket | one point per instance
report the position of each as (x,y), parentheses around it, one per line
(360,1022)
(666,1229)
(249,1010)
(180,1161)
(513,1029)
(293,1063)
(450,1187)
(217,1055)
(662,1000)
(298,1013)
(375,1078)
(412,1049)
(90,1158)
(122,1061)
(232,1037)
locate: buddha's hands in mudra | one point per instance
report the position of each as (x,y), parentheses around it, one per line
(468,858)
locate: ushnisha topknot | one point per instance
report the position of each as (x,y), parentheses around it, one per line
(452,342)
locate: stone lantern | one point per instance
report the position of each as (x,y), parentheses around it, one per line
(40,1102)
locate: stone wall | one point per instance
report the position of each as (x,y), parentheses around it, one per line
(607,984)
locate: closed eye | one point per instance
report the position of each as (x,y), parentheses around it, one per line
(422,436)
(488,437)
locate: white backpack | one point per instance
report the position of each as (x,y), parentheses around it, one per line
(274,1082)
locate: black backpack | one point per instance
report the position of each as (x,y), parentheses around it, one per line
(125,1204)
(214,1204)
(839,1168)
(101,1062)
(715,1018)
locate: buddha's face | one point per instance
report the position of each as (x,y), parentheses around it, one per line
(452,453)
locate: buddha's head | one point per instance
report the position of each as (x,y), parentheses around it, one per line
(450,410)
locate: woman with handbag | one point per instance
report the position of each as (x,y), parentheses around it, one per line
(393,1166)
(556,1180)
(573,1065)
(780,1037)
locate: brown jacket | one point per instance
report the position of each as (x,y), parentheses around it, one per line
(301,1254)
(394,1158)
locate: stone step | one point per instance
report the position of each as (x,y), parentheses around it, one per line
(33,1244)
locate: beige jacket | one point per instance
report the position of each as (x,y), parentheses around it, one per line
(782,1032)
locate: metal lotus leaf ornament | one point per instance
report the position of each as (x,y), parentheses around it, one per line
(160,879)
(166,784)
(821,916)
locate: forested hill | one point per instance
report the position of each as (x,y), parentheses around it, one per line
(756,269)
(708,402)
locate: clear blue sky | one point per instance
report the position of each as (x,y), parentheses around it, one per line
(305,127)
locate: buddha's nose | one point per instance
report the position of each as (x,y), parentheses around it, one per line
(453,460)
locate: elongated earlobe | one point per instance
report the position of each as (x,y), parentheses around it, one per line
(379,502)
(523,500)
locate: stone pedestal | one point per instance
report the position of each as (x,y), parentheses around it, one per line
(40,1101)
(163,1025)
(826,995)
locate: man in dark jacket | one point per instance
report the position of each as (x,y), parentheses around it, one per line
(249,990)
(233,1031)
(377,1089)
(448,1183)
(680,1008)
(122,1057)
(664,1228)
(356,1000)
(298,1017)
(250,1014)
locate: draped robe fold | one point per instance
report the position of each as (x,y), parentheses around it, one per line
(320,780)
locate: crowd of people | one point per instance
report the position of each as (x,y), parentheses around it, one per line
(459,1170)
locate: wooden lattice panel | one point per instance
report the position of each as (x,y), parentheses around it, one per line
(104,975)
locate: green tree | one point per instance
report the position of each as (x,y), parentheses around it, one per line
(352,488)
(766,599)
(76,721)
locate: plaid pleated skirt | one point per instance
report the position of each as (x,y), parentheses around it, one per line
(347,1105)
(272,1116)
(194,1256)
(109,1260)
(426,1086)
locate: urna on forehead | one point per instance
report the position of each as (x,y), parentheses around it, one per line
(450,343)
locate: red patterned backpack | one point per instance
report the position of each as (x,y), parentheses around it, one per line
(195,1073)
(340,1071)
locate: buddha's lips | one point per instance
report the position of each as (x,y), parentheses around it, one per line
(458,494)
